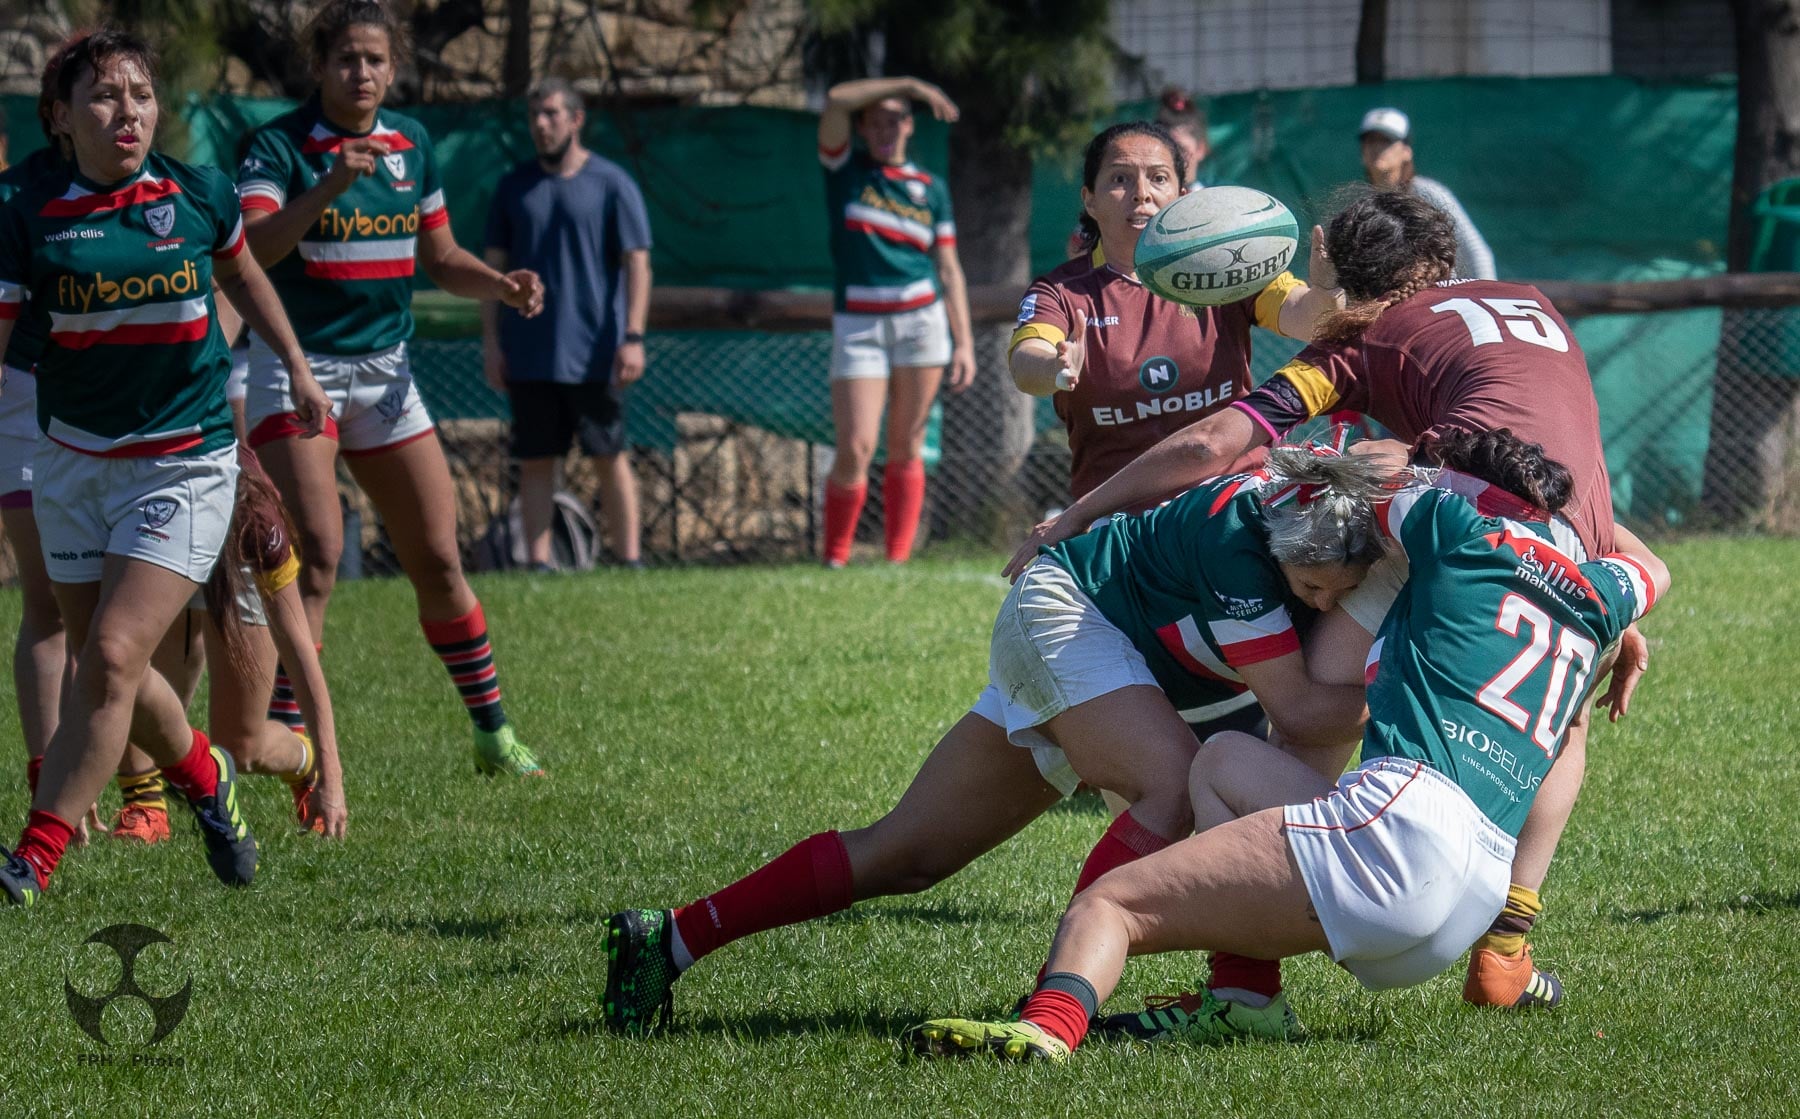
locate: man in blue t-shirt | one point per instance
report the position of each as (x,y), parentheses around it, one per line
(579,222)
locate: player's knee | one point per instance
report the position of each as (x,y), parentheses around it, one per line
(891,860)
(113,666)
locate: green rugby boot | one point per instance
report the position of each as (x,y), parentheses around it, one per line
(1204,1018)
(640,971)
(1009,1041)
(499,753)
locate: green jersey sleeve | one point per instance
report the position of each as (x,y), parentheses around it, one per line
(943,225)
(222,210)
(1625,592)
(267,174)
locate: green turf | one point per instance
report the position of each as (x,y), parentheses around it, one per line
(443,960)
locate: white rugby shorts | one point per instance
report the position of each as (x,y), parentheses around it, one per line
(374,403)
(867,346)
(18,432)
(1052,649)
(173,510)
(1402,868)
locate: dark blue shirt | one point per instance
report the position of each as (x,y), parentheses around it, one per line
(574,233)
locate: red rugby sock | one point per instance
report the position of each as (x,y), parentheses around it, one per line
(196,775)
(1125,841)
(1062,1005)
(1262,977)
(902,498)
(810,879)
(843,505)
(45,838)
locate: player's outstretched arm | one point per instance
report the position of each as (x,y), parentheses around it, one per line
(1307,304)
(1181,461)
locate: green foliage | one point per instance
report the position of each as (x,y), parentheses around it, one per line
(1041,72)
(444,960)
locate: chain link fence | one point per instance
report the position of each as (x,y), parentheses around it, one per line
(730,433)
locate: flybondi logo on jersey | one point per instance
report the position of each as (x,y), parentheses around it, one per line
(73,293)
(335,225)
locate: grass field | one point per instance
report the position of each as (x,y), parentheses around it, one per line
(444,961)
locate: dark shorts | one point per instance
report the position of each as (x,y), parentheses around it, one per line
(548,418)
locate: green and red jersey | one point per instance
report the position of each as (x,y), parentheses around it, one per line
(30,330)
(347,286)
(122,275)
(1192,584)
(1491,647)
(885,220)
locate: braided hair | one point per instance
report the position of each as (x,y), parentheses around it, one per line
(1387,247)
(1502,459)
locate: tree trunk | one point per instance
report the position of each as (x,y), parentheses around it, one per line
(1756,385)
(1371,43)
(516,75)
(988,427)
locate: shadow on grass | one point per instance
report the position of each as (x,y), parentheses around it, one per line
(761,1026)
(1763,901)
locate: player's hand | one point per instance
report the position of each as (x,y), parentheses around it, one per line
(493,368)
(937,101)
(311,404)
(962,368)
(1628,669)
(1393,454)
(1320,272)
(1046,534)
(1071,355)
(628,362)
(523,292)
(89,826)
(325,805)
(355,159)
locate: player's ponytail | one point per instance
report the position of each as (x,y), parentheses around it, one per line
(257,517)
(1502,459)
(1386,247)
(1093,157)
(1321,507)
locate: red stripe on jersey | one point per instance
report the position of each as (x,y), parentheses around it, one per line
(902,174)
(359,269)
(833,153)
(134,334)
(883,232)
(946,239)
(149,448)
(259,202)
(1370,671)
(434,219)
(1170,636)
(395,143)
(1644,574)
(870,308)
(9,310)
(1225,496)
(233,249)
(116,200)
(1259,649)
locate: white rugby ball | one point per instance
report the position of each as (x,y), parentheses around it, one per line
(1216,246)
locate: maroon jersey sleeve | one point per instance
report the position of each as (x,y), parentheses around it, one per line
(1043,313)
(1320,379)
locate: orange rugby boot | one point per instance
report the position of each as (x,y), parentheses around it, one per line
(139,822)
(1511,982)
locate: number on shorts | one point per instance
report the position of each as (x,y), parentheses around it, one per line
(1515,609)
(1524,319)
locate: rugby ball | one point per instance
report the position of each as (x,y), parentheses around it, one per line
(1216,246)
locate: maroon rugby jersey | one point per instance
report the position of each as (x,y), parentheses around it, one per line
(1465,355)
(1153,366)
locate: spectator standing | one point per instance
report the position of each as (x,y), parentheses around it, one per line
(1387,158)
(578,221)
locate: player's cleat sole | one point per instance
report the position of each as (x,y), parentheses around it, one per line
(640,971)
(1009,1041)
(1509,982)
(230,848)
(1204,1018)
(140,824)
(19,880)
(499,753)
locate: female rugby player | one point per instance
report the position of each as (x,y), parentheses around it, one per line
(341,199)
(1397,866)
(1093,653)
(901,308)
(134,480)
(1421,355)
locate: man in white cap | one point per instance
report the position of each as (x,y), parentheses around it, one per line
(1387,157)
